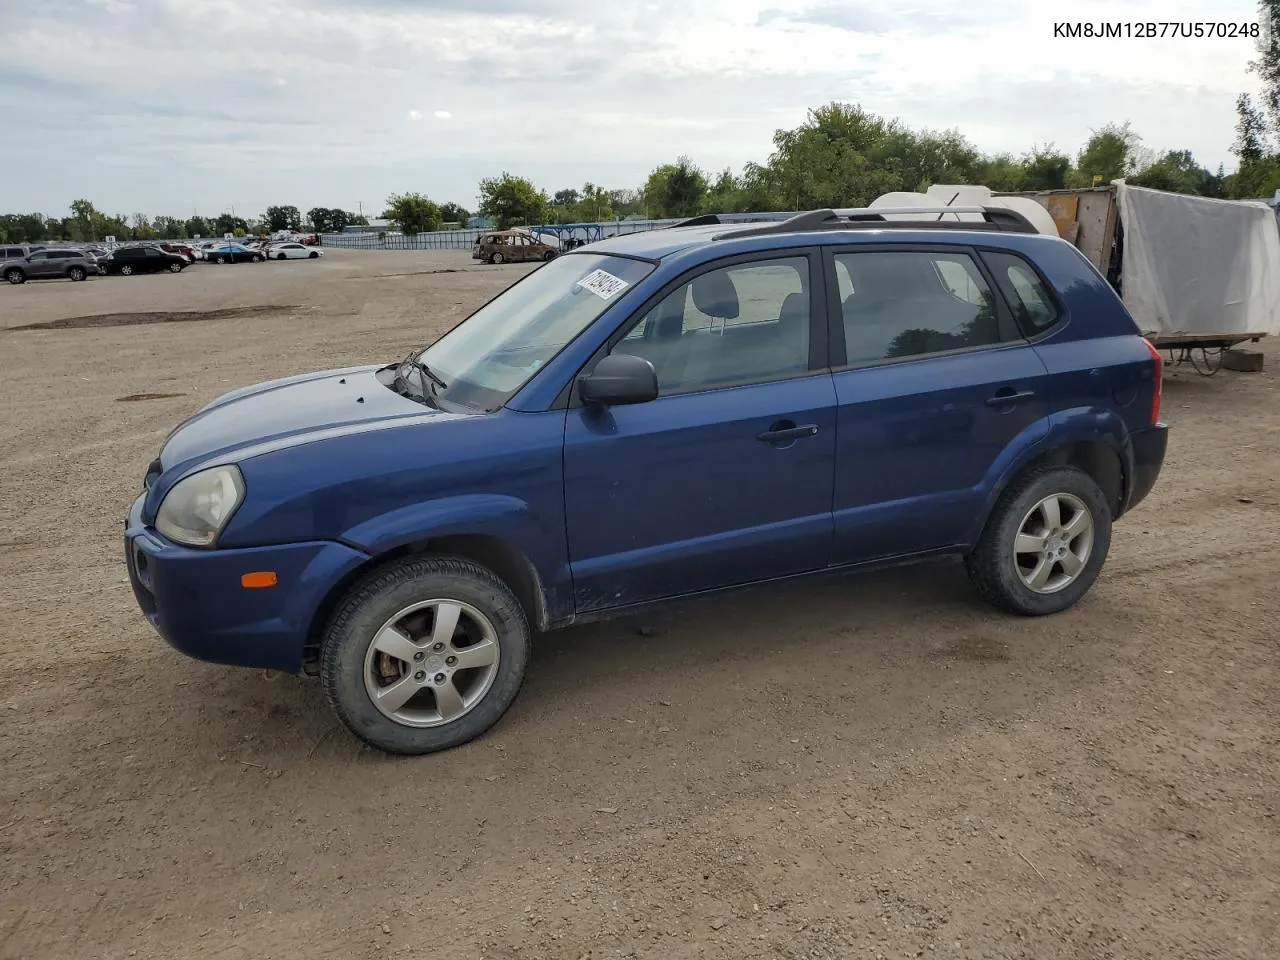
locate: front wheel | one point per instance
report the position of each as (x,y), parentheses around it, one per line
(549,255)
(281,257)
(126,271)
(220,260)
(424,655)
(497,258)
(1044,543)
(15,276)
(175,268)
(258,258)
(313,255)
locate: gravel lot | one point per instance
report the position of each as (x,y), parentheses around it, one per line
(862,767)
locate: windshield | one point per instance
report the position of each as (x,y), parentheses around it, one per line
(489,356)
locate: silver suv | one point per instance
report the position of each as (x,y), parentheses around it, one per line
(18,251)
(49,264)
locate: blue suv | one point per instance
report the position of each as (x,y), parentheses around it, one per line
(645,418)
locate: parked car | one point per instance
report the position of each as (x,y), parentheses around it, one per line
(233,253)
(46,264)
(18,251)
(127,261)
(660,415)
(510,246)
(180,250)
(293,251)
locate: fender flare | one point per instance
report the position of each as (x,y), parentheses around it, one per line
(1065,428)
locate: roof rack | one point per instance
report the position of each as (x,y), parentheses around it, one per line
(877,218)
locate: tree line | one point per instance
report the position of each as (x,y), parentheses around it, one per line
(840,156)
(88,224)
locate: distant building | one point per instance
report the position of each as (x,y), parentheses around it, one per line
(480,223)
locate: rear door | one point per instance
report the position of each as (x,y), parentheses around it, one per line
(726,477)
(934,383)
(43,264)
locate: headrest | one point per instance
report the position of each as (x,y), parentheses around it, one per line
(715,295)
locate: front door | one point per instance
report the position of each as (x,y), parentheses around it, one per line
(39,265)
(937,384)
(726,477)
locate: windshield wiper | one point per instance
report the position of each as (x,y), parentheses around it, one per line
(412,362)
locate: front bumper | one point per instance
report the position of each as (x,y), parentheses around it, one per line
(1148,457)
(195,601)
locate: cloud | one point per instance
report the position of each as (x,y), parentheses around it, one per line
(570,91)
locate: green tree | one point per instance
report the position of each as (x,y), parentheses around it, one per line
(724,194)
(625,202)
(511,201)
(329,219)
(592,206)
(1109,154)
(1047,168)
(454,213)
(198,226)
(566,198)
(283,218)
(170,228)
(413,213)
(227,223)
(675,189)
(1178,172)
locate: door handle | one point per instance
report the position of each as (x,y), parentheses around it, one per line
(1007,396)
(785,430)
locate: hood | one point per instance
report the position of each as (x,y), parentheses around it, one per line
(281,413)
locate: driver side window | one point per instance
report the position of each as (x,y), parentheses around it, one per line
(745,323)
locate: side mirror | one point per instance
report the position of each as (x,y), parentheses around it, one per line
(619,379)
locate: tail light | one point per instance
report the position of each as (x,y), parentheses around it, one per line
(1158,381)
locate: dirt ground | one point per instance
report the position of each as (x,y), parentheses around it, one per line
(870,767)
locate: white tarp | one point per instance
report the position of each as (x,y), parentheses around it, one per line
(1195,265)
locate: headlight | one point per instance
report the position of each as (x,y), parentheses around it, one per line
(199,506)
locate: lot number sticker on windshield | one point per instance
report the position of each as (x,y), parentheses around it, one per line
(603,284)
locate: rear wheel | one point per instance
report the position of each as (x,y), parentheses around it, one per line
(77,273)
(549,255)
(220,259)
(497,258)
(281,256)
(126,270)
(1044,544)
(424,655)
(15,276)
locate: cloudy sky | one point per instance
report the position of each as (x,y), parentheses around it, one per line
(170,106)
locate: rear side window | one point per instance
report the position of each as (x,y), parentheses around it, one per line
(10,252)
(1033,305)
(898,304)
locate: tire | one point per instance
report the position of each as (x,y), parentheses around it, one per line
(258,258)
(220,260)
(313,255)
(351,666)
(175,268)
(997,568)
(281,257)
(497,258)
(15,277)
(549,255)
(126,270)
(77,274)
